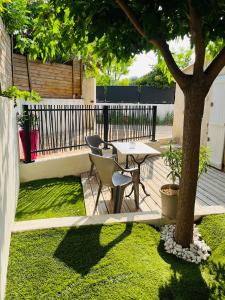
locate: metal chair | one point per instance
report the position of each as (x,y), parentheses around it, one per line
(94,142)
(109,175)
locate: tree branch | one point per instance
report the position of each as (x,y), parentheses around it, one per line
(215,67)
(197,38)
(128,12)
(181,78)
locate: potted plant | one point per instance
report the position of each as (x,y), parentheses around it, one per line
(169,192)
(14,93)
(31,120)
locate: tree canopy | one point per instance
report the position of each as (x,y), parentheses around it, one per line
(2,3)
(155,78)
(37,31)
(108,73)
(65,27)
(59,25)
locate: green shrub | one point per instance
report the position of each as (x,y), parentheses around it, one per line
(14,93)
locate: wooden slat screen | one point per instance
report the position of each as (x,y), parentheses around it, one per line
(50,80)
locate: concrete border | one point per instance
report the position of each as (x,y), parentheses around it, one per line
(153,218)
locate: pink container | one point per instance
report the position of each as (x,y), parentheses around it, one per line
(34,139)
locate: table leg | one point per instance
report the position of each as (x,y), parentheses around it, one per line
(139,169)
(143,188)
(130,191)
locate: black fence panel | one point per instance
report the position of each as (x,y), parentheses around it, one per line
(100,93)
(153,95)
(120,94)
(135,94)
(62,128)
(131,122)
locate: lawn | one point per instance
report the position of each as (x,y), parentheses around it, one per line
(50,198)
(125,261)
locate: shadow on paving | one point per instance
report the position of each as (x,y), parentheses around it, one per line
(81,251)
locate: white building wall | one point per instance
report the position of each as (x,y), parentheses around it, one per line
(9,161)
(179,114)
(5,58)
(9,182)
(163,109)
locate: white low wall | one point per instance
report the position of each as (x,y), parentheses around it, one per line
(163,109)
(89,97)
(9,182)
(68,163)
(50,101)
(59,165)
(56,166)
(53,101)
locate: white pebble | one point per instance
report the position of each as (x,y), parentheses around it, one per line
(197,252)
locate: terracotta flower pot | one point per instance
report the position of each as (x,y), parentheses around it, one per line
(34,140)
(169,197)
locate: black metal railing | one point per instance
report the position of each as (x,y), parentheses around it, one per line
(61,128)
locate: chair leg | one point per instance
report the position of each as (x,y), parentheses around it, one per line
(114,198)
(92,167)
(119,199)
(112,193)
(99,191)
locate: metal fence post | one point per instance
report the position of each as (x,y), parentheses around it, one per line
(27,137)
(106,123)
(154,114)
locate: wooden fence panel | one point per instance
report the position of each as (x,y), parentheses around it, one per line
(50,80)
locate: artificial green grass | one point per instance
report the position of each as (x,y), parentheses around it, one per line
(50,198)
(125,261)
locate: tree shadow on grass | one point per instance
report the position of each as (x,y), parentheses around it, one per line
(81,248)
(186,281)
(40,196)
(50,203)
(50,182)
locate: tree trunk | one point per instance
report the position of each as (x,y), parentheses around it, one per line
(194,106)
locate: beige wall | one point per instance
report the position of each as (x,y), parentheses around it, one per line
(5,58)
(89,91)
(9,182)
(179,115)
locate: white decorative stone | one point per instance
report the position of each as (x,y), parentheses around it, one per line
(197,252)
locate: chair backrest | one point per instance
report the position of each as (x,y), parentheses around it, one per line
(105,168)
(94,141)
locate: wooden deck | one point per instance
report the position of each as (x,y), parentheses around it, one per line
(210,192)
